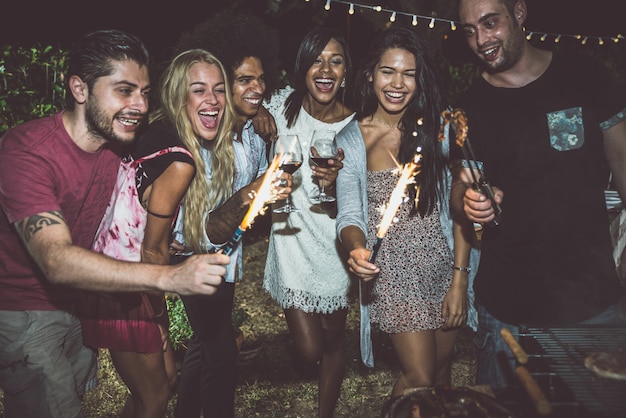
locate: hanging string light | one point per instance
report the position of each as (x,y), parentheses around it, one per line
(543,36)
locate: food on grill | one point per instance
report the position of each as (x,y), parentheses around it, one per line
(516,349)
(609,364)
(459,121)
(447,403)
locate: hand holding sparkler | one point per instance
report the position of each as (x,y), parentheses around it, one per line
(271,188)
(458,120)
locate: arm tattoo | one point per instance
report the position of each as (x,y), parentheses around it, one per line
(28,227)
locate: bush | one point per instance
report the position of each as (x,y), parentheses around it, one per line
(32,83)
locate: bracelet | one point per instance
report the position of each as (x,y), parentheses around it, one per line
(465,269)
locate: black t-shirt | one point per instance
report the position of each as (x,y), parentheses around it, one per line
(159,135)
(550,261)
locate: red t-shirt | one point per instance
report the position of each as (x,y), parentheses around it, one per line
(41,170)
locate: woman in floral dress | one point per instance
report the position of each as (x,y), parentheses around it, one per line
(420,275)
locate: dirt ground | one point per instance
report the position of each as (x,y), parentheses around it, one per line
(269,384)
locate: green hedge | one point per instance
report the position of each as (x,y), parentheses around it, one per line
(31,82)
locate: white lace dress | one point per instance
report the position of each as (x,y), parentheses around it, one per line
(304,268)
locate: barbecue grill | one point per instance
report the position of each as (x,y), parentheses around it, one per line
(556,363)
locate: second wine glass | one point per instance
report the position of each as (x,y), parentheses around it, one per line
(288,146)
(323,148)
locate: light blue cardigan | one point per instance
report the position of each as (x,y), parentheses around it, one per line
(352,210)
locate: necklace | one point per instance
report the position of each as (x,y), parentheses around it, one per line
(385,124)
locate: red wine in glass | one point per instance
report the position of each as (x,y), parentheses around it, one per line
(321,162)
(290,166)
(290,151)
(323,148)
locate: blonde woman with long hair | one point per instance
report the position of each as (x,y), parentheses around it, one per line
(196,97)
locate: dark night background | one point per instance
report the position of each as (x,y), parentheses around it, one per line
(160,22)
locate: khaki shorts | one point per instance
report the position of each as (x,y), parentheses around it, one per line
(44,366)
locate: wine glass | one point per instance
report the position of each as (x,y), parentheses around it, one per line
(289,147)
(323,148)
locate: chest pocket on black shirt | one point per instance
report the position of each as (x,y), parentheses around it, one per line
(566,129)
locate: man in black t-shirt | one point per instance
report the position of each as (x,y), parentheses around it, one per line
(547,127)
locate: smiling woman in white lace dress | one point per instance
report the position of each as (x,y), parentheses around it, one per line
(304,272)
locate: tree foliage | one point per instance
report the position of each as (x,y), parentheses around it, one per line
(31,82)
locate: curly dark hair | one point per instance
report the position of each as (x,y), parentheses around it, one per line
(233,35)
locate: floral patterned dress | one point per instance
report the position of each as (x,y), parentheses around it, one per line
(415,262)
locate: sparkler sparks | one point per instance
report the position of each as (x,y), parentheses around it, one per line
(266,194)
(398,196)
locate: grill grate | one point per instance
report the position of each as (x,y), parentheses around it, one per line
(559,354)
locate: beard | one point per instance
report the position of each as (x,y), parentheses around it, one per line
(100,124)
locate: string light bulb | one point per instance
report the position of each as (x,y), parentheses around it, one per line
(353,4)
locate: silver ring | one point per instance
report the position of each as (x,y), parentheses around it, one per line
(283,183)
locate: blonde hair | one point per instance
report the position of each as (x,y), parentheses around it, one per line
(201,197)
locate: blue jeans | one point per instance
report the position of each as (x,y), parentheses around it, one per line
(494,362)
(44,366)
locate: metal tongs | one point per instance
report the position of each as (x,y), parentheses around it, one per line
(458,120)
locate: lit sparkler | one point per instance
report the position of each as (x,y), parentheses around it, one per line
(398,196)
(458,120)
(267,193)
